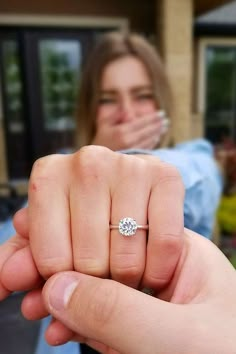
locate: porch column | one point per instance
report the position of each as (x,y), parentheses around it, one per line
(174,36)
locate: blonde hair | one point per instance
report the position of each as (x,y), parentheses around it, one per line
(110,47)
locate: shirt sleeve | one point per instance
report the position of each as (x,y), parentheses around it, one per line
(6,230)
(202,180)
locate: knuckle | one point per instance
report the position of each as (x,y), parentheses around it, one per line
(91,152)
(90,160)
(159,274)
(49,266)
(154,279)
(44,163)
(44,170)
(134,166)
(126,268)
(167,173)
(169,242)
(91,266)
(17,243)
(128,274)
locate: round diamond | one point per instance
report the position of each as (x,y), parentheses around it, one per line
(127,227)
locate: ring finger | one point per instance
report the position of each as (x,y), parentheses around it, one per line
(129,199)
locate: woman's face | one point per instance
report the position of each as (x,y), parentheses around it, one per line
(126,91)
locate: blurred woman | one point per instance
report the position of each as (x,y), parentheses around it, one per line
(124,95)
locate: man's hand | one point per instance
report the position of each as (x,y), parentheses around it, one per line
(198,315)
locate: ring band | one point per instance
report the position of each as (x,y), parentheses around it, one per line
(128,227)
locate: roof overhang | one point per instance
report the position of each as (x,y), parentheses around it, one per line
(201,6)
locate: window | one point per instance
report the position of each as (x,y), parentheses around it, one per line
(40,72)
(218,89)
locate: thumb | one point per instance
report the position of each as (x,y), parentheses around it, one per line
(115,315)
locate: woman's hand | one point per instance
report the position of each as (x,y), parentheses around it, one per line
(140,133)
(72,201)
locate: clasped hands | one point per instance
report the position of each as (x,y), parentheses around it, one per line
(91,272)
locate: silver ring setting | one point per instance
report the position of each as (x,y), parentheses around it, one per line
(128,227)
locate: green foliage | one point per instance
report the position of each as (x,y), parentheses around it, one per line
(13,78)
(227,214)
(220,74)
(59,84)
(233,260)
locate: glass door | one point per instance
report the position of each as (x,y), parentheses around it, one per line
(40,73)
(54,61)
(13,107)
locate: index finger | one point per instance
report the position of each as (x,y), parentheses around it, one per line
(49,215)
(8,249)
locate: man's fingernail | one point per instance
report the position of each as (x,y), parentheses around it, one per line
(61,291)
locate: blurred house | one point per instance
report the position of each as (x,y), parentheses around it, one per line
(42,49)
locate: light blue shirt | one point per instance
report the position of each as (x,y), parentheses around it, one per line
(202,179)
(203,187)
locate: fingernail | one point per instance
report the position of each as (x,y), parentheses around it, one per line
(61,291)
(165,122)
(161,114)
(165,125)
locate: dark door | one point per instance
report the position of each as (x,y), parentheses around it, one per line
(14,113)
(40,73)
(53,65)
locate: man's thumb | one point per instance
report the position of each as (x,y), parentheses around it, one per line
(111,313)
